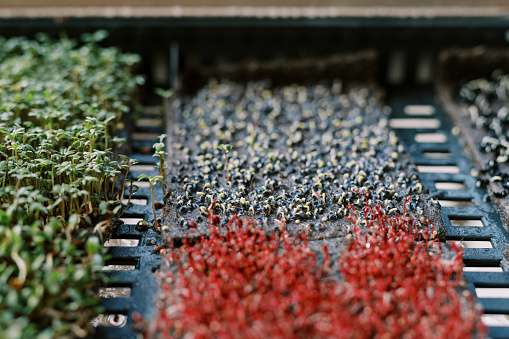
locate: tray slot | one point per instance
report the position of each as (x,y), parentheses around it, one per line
(115,291)
(419,110)
(428,138)
(125,242)
(447,169)
(450,185)
(455,203)
(110,320)
(411,123)
(437,154)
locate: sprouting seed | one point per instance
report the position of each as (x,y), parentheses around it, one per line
(226,148)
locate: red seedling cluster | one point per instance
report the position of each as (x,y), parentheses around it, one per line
(403,287)
(242,283)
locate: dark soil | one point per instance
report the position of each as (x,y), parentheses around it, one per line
(300,154)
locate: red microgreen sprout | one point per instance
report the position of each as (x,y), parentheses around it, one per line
(407,200)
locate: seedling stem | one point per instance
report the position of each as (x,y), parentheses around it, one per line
(226,148)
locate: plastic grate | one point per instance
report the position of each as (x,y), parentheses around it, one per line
(491,228)
(141,279)
(460,221)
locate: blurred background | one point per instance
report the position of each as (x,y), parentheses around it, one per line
(175,36)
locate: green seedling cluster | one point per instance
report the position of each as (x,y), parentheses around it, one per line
(60,103)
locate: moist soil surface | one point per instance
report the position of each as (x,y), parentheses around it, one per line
(304,155)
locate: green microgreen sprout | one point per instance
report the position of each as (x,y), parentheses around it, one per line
(153,181)
(132,190)
(165,94)
(128,163)
(108,214)
(159,152)
(226,148)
